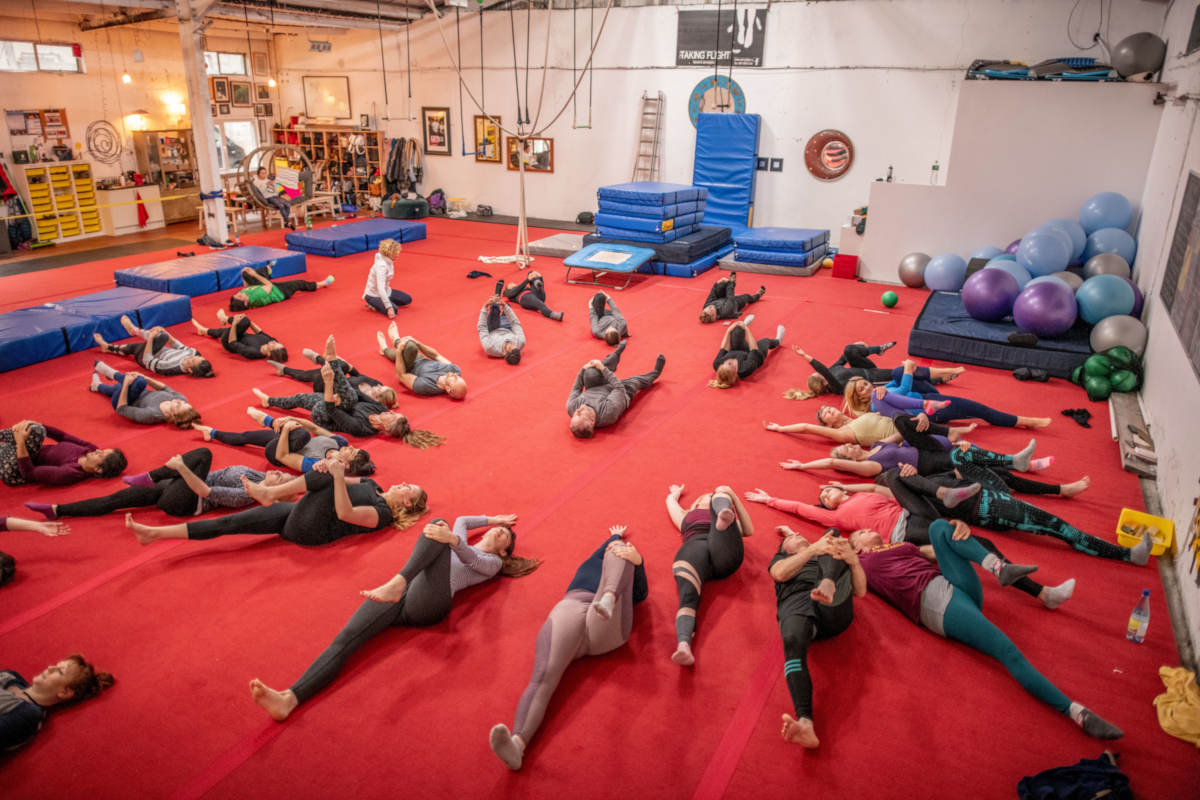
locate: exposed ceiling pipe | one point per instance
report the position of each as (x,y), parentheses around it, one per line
(365,7)
(125,18)
(320,19)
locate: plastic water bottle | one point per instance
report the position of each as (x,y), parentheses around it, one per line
(308,221)
(1139,620)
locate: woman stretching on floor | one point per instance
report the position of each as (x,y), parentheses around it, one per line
(815,587)
(373,388)
(294,443)
(723,303)
(856,362)
(143,399)
(595,617)
(332,508)
(866,429)
(243,338)
(159,352)
(712,530)
(379,294)
(946,597)
(261,291)
(531,294)
(442,563)
(183,488)
(740,354)
(25,704)
(26,458)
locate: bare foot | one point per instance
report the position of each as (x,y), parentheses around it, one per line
(1074,487)
(390,592)
(259,492)
(683,655)
(262,396)
(824,592)
(393,333)
(330,348)
(222,316)
(200,329)
(99,340)
(379,338)
(784,530)
(1032,422)
(205,430)
(799,731)
(144,533)
(278,704)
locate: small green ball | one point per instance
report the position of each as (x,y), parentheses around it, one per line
(889,298)
(1123,381)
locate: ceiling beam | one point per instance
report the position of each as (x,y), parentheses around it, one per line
(363,7)
(316,19)
(125,18)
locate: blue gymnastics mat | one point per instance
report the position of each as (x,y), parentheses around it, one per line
(651,193)
(602,259)
(726,157)
(684,250)
(781,238)
(356,237)
(643,236)
(690,270)
(208,272)
(780,258)
(944,330)
(653,212)
(645,224)
(144,307)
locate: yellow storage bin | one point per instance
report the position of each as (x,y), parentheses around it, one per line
(1132,523)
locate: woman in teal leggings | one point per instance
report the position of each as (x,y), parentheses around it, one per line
(947,598)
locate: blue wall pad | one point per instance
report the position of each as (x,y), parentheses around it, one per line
(781,258)
(781,238)
(683,250)
(32,335)
(726,157)
(643,236)
(654,212)
(144,307)
(645,224)
(651,193)
(945,330)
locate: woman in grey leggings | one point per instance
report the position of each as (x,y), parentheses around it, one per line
(420,595)
(595,617)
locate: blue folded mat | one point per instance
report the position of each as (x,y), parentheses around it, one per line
(641,236)
(644,224)
(656,212)
(781,258)
(684,250)
(780,238)
(651,192)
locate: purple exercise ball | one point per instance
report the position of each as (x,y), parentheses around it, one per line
(1046,309)
(1139,300)
(988,295)
(1012,247)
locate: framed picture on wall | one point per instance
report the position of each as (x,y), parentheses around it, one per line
(239,93)
(223,108)
(260,64)
(487,139)
(537,153)
(214,109)
(263,132)
(218,89)
(258,110)
(435,122)
(262,92)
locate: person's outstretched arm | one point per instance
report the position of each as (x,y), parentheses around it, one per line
(812,513)
(674,509)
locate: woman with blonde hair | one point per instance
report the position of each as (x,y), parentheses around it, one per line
(441,564)
(856,362)
(740,354)
(379,294)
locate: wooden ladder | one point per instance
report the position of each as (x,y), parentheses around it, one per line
(646,157)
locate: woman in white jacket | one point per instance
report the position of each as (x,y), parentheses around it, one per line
(379,293)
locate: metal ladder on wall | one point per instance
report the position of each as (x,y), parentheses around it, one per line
(646,157)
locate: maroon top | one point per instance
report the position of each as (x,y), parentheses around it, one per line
(57,464)
(695,522)
(899,573)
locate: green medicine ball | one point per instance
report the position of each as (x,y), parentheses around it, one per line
(1097,387)
(1121,357)
(1123,381)
(1098,365)
(889,298)
(1077,375)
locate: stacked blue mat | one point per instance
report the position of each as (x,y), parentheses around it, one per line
(209,272)
(31,335)
(355,237)
(784,247)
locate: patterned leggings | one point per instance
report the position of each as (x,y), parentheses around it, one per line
(315,403)
(10,471)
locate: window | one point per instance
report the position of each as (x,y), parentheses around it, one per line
(235,140)
(17,56)
(224,63)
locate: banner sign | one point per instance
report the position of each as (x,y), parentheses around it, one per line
(738,35)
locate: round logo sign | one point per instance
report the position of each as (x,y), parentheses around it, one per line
(716,94)
(828,155)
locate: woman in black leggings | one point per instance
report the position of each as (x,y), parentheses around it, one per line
(331,509)
(294,443)
(244,338)
(531,294)
(712,531)
(741,354)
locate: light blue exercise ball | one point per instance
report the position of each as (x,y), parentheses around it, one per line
(946,272)
(1047,278)
(1003,257)
(1043,252)
(1110,240)
(1105,210)
(1012,268)
(990,251)
(1103,296)
(1073,230)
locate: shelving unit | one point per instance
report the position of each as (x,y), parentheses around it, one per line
(346,174)
(62,197)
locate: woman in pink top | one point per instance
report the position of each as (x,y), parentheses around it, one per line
(26,458)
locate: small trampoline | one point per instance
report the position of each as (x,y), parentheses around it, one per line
(602,259)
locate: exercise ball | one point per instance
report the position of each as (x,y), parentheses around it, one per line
(990,251)
(1046,309)
(1044,252)
(912,270)
(889,298)
(1012,247)
(1069,278)
(1012,268)
(988,295)
(1061,233)
(1054,277)
(1110,240)
(1003,257)
(1119,330)
(1139,56)
(1139,300)
(1105,210)
(825,263)
(1103,296)
(1106,264)
(1074,232)
(1097,387)
(1077,375)
(1123,381)
(945,272)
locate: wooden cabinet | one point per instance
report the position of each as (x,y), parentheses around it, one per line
(62,198)
(351,158)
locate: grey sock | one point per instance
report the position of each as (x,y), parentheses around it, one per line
(1008,574)
(103,369)
(1054,596)
(955,495)
(310,354)
(1096,726)
(779,333)
(1021,459)
(1139,554)
(504,747)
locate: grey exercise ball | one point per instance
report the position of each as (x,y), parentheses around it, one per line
(1072,279)
(1140,56)
(912,270)
(1119,329)
(1107,264)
